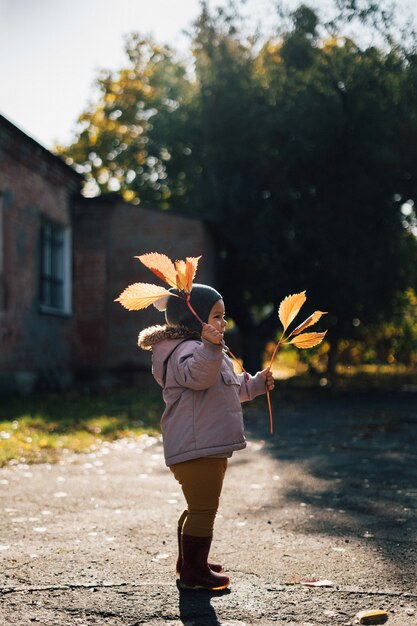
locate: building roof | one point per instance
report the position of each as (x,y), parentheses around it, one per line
(37,148)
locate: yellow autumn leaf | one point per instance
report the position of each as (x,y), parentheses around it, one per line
(312,319)
(181,270)
(289,308)
(141,295)
(375,616)
(308,340)
(161,266)
(191,264)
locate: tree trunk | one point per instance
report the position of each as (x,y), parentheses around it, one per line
(332,358)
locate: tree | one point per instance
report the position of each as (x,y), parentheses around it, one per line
(300,153)
(132,139)
(310,177)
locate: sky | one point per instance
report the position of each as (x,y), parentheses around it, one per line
(51,51)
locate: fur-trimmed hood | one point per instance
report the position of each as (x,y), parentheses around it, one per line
(152,335)
(163,340)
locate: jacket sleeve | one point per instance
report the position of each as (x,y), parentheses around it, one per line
(251,388)
(196,364)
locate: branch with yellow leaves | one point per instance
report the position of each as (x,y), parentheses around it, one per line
(287,312)
(179,275)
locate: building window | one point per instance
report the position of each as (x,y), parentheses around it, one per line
(55,274)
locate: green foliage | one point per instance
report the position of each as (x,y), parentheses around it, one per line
(310,199)
(394,341)
(299,151)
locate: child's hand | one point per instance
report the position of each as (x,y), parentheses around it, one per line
(209,333)
(269,379)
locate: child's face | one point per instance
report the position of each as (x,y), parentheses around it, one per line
(216,317)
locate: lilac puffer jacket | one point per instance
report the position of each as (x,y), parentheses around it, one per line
(202,393)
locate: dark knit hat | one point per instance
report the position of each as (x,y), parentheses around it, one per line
(202,299)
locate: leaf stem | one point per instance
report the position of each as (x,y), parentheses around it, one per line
(276,349)
(271,425)
(238,362)
(268,395)
(187,299)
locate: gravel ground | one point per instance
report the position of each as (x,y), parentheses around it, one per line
(332,496)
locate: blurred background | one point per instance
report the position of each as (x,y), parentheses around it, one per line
(276,139)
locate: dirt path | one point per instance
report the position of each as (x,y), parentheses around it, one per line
(332,495)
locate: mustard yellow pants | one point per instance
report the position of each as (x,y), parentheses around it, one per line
(201,482)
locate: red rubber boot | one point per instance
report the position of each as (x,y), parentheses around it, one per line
(213,565)
(195,572)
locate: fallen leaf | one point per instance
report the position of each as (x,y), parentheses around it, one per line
(374,616)
(316,582)
(309,582)
(161,556)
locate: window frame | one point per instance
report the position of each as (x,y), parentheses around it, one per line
(55,241)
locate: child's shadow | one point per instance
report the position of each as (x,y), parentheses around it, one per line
(195,607)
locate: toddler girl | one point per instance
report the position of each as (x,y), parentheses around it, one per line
(202,424)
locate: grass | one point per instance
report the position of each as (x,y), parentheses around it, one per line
(42,428)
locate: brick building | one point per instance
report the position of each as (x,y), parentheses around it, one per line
(107,235)
(63,261)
